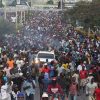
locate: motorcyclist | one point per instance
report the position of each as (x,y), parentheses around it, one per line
(55,88)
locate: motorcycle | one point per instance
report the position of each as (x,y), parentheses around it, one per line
(55,95)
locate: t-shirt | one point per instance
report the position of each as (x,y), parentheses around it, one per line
(89,79)
(46,70)
(7,70)
(91,88)
(5,96)
(10,64)
(97,92)
(60,70)
(79,68)
(83,74)
(20,63)
(65,66)
(73,88)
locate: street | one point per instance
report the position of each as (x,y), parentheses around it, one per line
(37,95)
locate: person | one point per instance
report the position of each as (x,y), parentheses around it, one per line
(76,76)
(40,81)
(46,81)
(7,70)
(60,70)
(28,87)
(2,82)
(90,88)
(4,95)
(45,96)
(83,77)
(89,78)
(46,69)
(97,92)
(64,82)
(80,66)
(19,62)
(54,88)
(73,89)
(10,63)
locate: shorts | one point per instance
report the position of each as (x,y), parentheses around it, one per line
(83,82)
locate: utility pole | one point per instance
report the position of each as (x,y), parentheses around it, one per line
(21,17)
(31,3)
(5,9)
(16,18)
(61,4)
(24,16)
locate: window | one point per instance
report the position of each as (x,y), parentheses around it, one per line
(45,55)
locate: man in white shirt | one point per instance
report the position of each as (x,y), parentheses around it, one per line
(90,88)
(28,88)
(76,75)
(19,63)
(60,70)
(89,78)
(79,68)
(7,70)
(4,95)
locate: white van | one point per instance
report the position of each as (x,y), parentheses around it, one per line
(45,56)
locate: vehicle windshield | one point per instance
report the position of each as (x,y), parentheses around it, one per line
(45,55)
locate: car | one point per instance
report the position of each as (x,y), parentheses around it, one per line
(45,56)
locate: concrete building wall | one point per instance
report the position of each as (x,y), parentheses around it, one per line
(77,0)
(55,1)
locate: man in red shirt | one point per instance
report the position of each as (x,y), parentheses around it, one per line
(83,77)
(97,92)
(55,88)
(45,69)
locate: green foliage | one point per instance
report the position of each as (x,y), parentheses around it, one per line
(1,5)
(50,2)
(13,3)
(6,27)
(88,14)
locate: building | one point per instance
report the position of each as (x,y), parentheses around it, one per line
(13,2)
(71,3)
(68,3)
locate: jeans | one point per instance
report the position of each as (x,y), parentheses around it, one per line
(72,97)
(46,82)
(30,97)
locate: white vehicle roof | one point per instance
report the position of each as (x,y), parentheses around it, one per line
(46,56)
(49,52)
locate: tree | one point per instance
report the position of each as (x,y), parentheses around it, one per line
(6,27)
(1,5)
(88,14)
(50,2)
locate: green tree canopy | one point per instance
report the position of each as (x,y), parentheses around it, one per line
(88,14)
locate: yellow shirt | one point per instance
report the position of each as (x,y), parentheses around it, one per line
(65,65)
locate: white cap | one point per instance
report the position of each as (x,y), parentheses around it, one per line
(84,62)
(45,94)
(20,74)
(45,64)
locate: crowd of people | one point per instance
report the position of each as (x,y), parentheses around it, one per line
(75,70)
